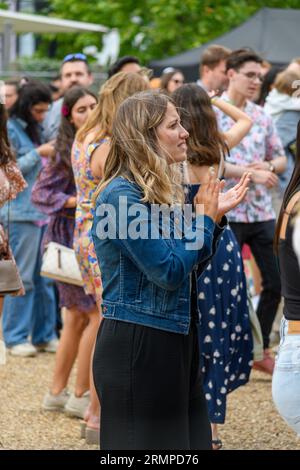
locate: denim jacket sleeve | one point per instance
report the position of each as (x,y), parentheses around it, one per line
(26,161)
(165,262)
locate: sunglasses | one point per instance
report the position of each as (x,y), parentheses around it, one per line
(77,56)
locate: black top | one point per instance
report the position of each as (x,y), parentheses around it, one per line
(290,275)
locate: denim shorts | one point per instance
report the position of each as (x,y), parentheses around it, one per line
(286,377)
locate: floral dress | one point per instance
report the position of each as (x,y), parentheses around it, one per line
(11,183)
(50,192)
(86,185)
(224,331)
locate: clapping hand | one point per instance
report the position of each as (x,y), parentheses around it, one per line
(206,199)
(230,199)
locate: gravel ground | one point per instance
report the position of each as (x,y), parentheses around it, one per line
(252,422)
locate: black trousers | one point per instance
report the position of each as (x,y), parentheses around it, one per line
(150,389)
(259,236)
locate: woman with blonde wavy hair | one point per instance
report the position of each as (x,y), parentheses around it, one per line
(90,149)
(88,155)
(146,361)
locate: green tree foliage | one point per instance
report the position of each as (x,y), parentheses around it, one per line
(152,29)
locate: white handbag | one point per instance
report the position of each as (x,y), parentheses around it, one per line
(60,263)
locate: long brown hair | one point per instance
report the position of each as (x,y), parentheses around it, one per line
(205,142)
(31,94)
(6,153)
(167,77)
(135,152)
(66,132)
(111,95)
(292,188)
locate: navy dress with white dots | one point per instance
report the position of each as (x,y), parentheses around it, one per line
(225,337)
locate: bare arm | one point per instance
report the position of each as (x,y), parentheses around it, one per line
(242,125)
(234,171)
(289,211)
(265,177)
(278,165)
(98,160)
(71,202)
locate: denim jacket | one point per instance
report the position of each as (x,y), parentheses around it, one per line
(147,281)
(29,162)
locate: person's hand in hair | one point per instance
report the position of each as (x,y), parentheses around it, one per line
(214,94)
(206,199)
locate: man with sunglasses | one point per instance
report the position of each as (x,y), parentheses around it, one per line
(74,71)
(253,221)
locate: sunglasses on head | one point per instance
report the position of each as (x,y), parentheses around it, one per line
(77,56)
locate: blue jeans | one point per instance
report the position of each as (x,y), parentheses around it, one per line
(33,314)
(286,378)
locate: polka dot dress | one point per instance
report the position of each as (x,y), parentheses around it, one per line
(224,330)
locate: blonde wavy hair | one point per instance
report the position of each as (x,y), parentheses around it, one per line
(112,93)
(135,152)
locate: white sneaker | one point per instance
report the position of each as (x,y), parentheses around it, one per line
(23,349)
(76,406)
(50,347)
(55,402)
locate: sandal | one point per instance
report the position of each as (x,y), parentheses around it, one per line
(217,444)
(82,429)
(91,435)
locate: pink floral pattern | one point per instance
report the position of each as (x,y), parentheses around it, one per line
(86,184)
(260,144)
(11,182)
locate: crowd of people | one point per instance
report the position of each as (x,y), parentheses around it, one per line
(161,324)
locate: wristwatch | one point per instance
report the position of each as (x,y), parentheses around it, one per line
(271,167)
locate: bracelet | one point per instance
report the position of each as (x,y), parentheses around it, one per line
(214,99)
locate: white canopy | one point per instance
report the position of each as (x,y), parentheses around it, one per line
(25,23)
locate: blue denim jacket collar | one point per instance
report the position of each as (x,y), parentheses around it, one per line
(24,124)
